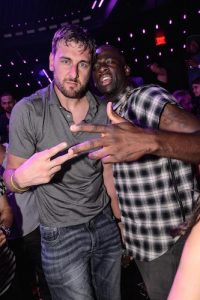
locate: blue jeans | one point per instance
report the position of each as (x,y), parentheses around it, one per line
(83,262)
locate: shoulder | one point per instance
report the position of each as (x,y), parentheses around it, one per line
(98,108)
(152,94)
(34,101)
(150,89)
(97,99)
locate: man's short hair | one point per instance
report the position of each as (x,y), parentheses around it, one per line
(74,33)
(7,94)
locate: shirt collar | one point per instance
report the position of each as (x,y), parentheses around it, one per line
(93,102)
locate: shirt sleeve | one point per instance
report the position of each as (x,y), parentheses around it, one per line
(146,105)
(21,130)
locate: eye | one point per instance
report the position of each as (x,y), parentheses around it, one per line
(96,66)
(66,61)
(84,64)
(109,61)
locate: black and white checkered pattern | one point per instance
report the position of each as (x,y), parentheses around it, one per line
(150,210)
(2,187)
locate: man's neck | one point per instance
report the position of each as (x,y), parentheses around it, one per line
(122,99)
(78,107)
(115,97)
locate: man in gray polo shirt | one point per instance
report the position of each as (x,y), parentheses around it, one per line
(81,247)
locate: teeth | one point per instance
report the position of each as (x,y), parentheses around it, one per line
(105,78)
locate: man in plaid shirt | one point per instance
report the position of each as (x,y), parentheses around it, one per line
(153,178)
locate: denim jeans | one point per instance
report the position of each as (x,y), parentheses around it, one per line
(83,262)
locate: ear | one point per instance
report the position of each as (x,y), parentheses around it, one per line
(127,70)
(51,62)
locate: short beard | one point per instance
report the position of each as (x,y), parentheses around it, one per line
(73,94)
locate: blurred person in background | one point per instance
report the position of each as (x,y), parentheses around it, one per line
(193,59)
(184,98)
(196,96)
(7,102)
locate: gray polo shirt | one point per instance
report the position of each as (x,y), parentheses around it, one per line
(76,194)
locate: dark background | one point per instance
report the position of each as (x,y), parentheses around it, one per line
(27,27)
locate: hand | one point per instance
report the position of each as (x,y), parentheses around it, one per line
(119,142)
(41,167)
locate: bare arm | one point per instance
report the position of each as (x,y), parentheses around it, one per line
(186,285)
(178,137)
(38,169)
(110,187)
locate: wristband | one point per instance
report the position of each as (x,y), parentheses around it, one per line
(6,230)
(14,185)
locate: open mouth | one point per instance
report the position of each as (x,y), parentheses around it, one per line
(105,80)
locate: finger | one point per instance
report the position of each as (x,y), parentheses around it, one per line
(58,161)
(86,146)
(114,117)
(99,154)
(56,149)
(88,128)
(54,170)
(108,159)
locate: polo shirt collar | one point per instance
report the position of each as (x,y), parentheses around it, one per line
(93,103)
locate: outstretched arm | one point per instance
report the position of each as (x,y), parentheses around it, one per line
(20,173)
(178,137)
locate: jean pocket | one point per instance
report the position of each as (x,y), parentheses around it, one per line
(109,215)
(49,234)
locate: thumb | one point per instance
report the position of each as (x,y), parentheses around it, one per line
(113,116)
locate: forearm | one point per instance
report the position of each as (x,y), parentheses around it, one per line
(110,187)
(180,146)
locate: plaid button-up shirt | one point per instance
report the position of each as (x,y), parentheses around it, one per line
(149,205)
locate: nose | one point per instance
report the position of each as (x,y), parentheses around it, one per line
(100,66)
(74,73)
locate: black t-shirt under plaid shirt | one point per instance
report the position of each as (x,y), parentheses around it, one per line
(150,210)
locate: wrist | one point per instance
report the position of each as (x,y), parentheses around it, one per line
(152,140)
(16,185)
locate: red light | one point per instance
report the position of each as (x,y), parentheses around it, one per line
(160,40)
